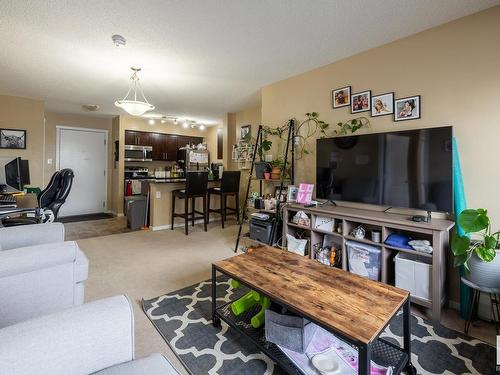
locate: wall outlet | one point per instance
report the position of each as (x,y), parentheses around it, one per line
(158,194)
(49,161)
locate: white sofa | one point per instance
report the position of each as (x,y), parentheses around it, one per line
(39,272)
(95,338)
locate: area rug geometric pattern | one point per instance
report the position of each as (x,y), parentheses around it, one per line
(183,318)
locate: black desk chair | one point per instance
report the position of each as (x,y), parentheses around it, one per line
(51,198)
(230,186)
(196,187)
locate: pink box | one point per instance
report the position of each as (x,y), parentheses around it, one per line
(304,195)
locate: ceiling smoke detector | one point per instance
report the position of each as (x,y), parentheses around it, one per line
(90,107)
(118,40)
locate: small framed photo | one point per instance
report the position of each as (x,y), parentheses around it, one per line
(246,129)
(407,108)
(293,190)
(383,104)
(13,138)
(341,97)
(361,101)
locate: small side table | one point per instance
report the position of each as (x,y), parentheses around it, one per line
(474,303)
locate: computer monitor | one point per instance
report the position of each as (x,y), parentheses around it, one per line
(14,173)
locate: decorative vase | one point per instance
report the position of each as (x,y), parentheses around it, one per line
(276,173)
(485,274)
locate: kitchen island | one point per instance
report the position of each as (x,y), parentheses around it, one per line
(161,202)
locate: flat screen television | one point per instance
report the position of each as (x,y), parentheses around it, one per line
(408,169)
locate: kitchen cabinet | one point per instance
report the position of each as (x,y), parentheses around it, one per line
(159,142)
(164,146)
(136,138)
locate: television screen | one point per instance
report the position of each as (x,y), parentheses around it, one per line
(410,169)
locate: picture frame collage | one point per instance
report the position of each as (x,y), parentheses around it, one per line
(402,109)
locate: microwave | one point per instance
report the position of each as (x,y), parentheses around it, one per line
(138,153)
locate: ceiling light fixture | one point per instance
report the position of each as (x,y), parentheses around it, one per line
(163,119)
(185,125)
(175,121)
(151,122)
(133,106)
(202,127)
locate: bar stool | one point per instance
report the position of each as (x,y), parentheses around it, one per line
(474,303)
(230,186)
(196,187)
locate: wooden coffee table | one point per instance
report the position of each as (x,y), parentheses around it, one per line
(353,308)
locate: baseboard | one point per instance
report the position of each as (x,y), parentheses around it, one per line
(484,310)
(181,224)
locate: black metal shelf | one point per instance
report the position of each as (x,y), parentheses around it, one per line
(384,353)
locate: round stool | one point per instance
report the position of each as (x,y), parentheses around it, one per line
(474,303)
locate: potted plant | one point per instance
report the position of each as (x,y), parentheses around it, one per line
(478,249)
(278,166)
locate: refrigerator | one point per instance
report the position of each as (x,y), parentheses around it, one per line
(193,160)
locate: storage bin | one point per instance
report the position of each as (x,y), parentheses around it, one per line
(364,260)
(414,274)
(291,332)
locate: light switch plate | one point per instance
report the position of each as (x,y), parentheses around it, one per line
(158,195)
(49,161)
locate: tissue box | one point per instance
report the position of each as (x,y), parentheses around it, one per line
(290,332)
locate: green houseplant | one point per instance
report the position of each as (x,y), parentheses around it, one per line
(477,249)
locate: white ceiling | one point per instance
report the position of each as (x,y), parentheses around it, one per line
(200,58)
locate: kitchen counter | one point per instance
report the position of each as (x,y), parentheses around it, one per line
(173,180)
(161,202)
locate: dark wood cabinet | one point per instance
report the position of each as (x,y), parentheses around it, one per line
(136,138)
(165,146)
(159,146)
(171,148)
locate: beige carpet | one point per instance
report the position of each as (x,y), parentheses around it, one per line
(146,264)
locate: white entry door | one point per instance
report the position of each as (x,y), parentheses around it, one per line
(85,152)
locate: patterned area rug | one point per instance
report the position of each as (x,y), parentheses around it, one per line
(183,318)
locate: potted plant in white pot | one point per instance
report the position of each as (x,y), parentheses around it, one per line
(478,249)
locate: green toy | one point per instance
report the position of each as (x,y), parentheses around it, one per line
(248,301)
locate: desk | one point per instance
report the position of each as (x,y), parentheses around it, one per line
(353,308)
(27,203)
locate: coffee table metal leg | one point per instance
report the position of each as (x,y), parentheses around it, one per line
(407,336)
(215,318)
(364,358)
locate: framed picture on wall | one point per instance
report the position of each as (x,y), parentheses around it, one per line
(245,130)
(13,138)
(408,108)
(383,104)
(361,101)
(341,97)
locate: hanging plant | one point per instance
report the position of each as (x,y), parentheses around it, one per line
(311,127)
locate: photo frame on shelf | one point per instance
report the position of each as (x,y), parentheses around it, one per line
(293,190)
(382,104)
(284,193)
(361,101)
(245,129)
(13,139)
(408,108)
(341,97)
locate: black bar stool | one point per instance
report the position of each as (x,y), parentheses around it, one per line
(196,187)
(230,186)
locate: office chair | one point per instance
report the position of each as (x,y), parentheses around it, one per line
(51,198)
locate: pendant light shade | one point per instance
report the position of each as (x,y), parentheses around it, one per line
(130,103)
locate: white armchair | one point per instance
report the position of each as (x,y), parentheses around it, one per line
(39,272)
(95,338)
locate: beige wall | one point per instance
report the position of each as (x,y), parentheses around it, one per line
(26,114)
(455,69)
(52,120)
(211,139)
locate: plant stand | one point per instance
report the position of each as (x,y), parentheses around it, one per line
(474,304)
